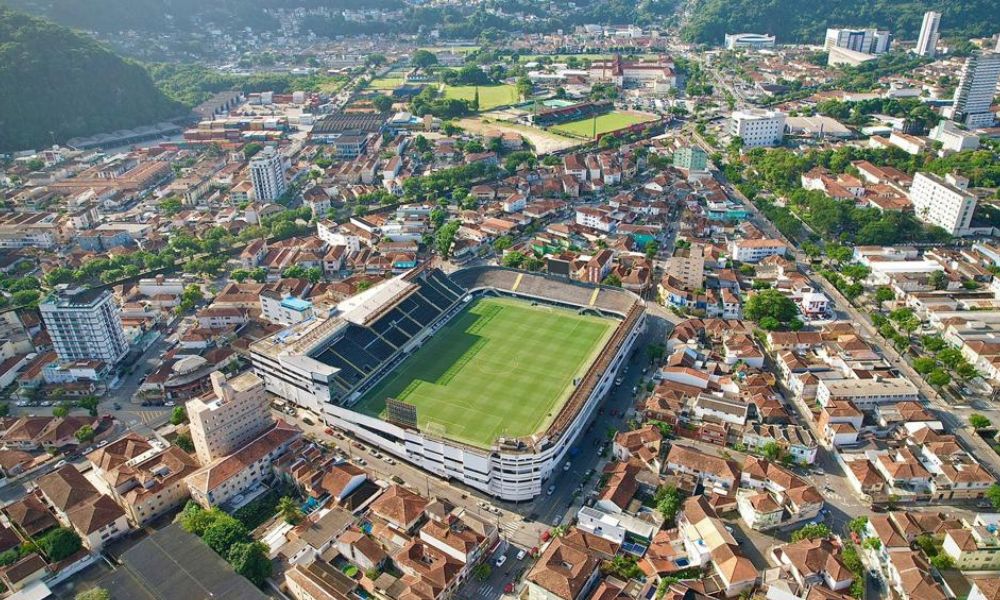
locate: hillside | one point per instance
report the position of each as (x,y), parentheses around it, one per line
(59,84)
(795,21)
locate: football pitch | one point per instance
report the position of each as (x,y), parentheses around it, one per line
(490,96)
(502,367)
(612,121)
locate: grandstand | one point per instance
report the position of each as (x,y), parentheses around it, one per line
(378,346)
(565,114)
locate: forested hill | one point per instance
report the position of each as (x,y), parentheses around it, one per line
(805,21)
(57,84)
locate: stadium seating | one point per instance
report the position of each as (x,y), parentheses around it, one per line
(363,349)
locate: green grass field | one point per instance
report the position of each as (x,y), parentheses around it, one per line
(501,367)
(612,121)
(386,83)
(490,96)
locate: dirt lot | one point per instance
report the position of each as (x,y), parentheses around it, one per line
(543,141)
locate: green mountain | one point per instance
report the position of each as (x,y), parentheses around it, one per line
(796,21)
(58,84)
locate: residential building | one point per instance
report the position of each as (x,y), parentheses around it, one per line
(228,479)
(927,42)
(233,414)
(565,571)
(952,138)
(756,250)
(758,128)
(145,477)
(706,540)
(812,562)
(691,158)
(976,89)
(284,309)
(267,172)
(943,202)
(866,41)
(974,547)
(78,504)
(866,394)
(85,324)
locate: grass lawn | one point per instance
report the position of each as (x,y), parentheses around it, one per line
(386,83)
(490,96)
(612,121)
(501,367)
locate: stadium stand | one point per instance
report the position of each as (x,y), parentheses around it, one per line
(565,114)
(546,287)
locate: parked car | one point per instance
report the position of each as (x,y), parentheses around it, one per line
(521,554)
(549,491)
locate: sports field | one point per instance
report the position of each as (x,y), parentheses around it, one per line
(500,368)
(490,96)
(612,121)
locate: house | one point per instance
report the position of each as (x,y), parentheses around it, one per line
(565,571)
(77,504)
(707,541)
(361,550)
(643,443)
(147,478)
(400,508)
(710,470)
(812,562)
(973,547)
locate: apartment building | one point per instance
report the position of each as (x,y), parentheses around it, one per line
(758,128)
(85,324)
(229,417)
(267,172)
(944,202)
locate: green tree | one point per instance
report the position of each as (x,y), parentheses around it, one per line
(978,421)
(445,237)
(884,294)
(858,525)
(812,531)
(769,324)
(224,533)
(612,280)
(59,543)
(289,510)
(772,451)
(89,404)
(94,594)
(770,303)
(85,434)
(382,103)
(250,560)
(993,494)
(423,59)
(668,502)
(178,415)
(938,280)
(60,411)
(514,260)
(183,441)
(942,562)
(938,378)
(482,571)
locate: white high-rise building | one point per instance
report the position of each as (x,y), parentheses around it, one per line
(975,91)
(234,414)
(927,42)
(944,202)
(757,127)
(866,41)
(85,324)
(268,175)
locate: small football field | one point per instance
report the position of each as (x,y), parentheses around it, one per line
(502,367)
(612,121)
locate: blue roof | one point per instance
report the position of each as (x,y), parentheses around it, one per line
(296,304)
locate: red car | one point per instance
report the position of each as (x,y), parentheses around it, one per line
(509,588)
(328,431)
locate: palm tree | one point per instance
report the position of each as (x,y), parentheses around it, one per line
(289,510)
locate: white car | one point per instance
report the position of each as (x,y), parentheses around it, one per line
(567,466)
(521,554)
(501,560)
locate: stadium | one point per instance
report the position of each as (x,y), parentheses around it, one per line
(486,375)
